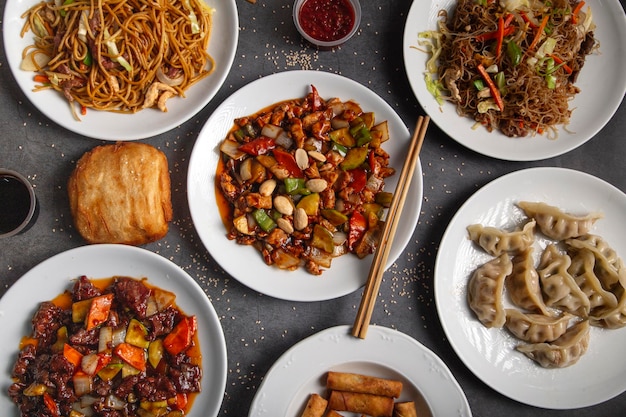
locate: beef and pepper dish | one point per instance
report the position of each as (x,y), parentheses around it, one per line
(111,348)
(303,181)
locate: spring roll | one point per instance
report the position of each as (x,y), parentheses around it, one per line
(404,409)
(356,402)
(333,413)
(341,381)
(315,407)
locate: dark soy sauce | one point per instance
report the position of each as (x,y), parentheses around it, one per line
(14,203)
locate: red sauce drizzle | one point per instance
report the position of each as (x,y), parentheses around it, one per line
(326,20)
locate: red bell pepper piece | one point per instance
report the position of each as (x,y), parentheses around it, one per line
(51,405)
(180,338)
(258,146)
(132,355)
(72,355)
(288,161)
(356,228)
(99,311)
(359,179)
(181,401)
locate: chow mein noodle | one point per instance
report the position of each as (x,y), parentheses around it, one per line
(118,55)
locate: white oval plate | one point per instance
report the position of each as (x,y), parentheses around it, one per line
(489,353)
(114,126)
(602,82)
(347,273)
(56,274)
(385,353)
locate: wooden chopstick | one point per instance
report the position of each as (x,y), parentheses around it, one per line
(370,293)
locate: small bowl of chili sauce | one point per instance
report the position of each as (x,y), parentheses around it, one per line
(327,23)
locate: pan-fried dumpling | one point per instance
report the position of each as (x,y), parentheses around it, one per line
(536,328)
(486,290)
(497,241)
(557,224)
(564,351)
(582,270)
(612,318)
(559,288)
(522,284)
(609,266)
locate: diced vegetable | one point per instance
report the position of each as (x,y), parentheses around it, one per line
(136,334)
(310,204)
(72,355)
(342,137)
(155,352)
(356,229)
(132,355)
(264,221)
(98,311)
(335,217)
(354,158)
(322,239)
(80,309)
(180,338)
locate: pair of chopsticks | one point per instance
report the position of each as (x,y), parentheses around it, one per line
(377,269)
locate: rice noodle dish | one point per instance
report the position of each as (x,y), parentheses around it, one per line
(511,65)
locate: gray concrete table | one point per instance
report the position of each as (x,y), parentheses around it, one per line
(258,328)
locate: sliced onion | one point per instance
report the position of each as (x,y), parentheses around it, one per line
(320,257)
(105,340)
(34,61)
(172,82)
(119,335)
(284,140)
(89,363)
(231,148)
(271,131)
(82,384)
(84,410)
(114,402)
(151,306)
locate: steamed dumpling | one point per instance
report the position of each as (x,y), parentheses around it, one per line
(559,288)
(557,224)
(564,351)
(582,270)
(523,283)
(609,267)
(486,291)
(536,328)
(497,241)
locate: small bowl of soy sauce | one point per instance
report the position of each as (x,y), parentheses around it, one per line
(327,23)
(17,203)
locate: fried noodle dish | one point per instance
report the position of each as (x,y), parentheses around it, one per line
(510,65)
(303,182)
(120,55)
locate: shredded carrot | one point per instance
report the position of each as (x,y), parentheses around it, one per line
(508,20)
(528,20)
(576,10)
(560,62)
(495,93)
(540,30)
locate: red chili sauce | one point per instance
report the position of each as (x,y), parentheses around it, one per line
(326,20)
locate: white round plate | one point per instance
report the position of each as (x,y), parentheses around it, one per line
(602,82)
(385,353)
(56,274)
(347,273)
(490,353)
(114,126)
